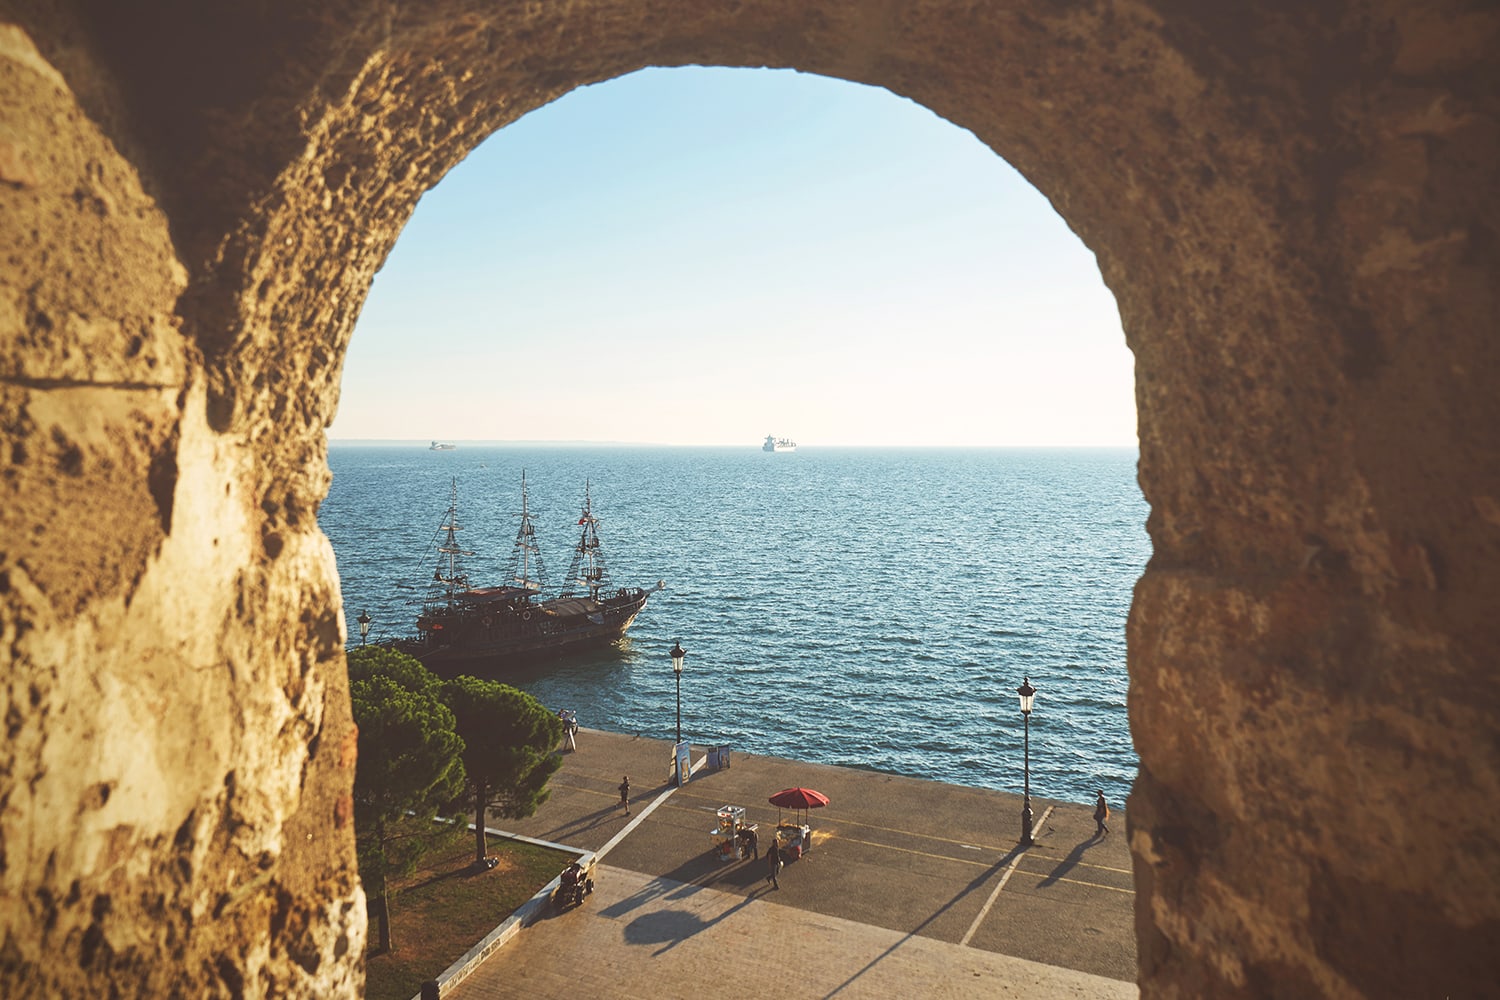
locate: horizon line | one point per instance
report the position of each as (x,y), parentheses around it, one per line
(756,445)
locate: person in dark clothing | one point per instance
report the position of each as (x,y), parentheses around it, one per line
(1101,813)
(773,863)
(751,842)
(625,793)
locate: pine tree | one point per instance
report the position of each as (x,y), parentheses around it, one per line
(410,765)
(510,741)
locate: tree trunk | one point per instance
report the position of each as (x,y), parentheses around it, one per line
(382,902)
(383,919)
(481,799)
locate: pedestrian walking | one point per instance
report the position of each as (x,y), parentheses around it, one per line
(1101,813)
(625,793)
(773,864)
(753,843)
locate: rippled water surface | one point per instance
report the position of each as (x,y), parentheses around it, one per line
(871,608)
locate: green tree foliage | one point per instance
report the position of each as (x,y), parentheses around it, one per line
(510,740)
(410,765)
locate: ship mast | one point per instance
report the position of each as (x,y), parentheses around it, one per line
(449,577)
(587,569)
(526,552)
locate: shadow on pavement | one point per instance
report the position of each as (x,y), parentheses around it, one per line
(977,882)
(699,873)
(1068,863)
(588,822)
(670,928)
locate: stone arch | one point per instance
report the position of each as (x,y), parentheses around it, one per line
(1293,205)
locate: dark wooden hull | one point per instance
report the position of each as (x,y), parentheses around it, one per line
(486,641)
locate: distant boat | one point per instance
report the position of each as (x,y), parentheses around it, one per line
(468,628)
(442,446)
(778,444)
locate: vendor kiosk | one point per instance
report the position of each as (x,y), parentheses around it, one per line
(793,839)
(728,844)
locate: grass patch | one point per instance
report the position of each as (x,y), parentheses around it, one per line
(447,906)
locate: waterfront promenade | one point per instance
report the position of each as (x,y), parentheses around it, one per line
(911,889)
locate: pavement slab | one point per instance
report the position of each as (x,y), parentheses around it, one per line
(640,936)
(911,888)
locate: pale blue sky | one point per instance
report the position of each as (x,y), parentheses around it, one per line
(707,256)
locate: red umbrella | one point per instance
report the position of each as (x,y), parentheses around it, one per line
(799,799)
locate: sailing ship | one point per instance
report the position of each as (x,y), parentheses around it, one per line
(463,628)
(774,443)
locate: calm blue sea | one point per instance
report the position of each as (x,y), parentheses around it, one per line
(863,607)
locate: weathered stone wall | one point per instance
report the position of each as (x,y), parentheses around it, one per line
(177,762)
(1293,203)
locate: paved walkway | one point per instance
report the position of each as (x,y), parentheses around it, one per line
(912,888)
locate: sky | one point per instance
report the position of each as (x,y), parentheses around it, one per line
(707,256)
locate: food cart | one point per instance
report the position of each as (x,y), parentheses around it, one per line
(793,839)
(727,836)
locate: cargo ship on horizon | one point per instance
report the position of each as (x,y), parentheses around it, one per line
(774,443)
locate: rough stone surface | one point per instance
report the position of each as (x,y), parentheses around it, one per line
(1294,204)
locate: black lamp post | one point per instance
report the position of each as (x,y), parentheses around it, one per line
(677,654)
(364,626)
(1027,693)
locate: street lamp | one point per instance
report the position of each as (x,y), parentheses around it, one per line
(364,626)
(1027,693)
(677,654)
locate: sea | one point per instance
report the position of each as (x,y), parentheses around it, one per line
(872,608)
